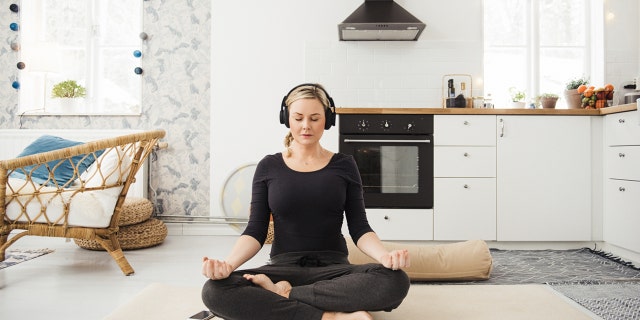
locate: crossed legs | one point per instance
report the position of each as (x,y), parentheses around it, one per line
(292,292)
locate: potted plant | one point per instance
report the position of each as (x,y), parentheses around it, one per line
(548,100)
(571,94)
(68,89)
(70,94)
(517,97)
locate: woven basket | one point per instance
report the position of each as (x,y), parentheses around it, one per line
(142,235)
(135,210)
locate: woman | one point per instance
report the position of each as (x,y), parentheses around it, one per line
(309,190)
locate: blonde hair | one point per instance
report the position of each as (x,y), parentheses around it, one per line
(310,91)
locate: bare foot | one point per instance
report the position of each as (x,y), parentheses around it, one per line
(360,315)
(282,288)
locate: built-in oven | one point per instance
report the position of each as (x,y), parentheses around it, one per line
(394,153)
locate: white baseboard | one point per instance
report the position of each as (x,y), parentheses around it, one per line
(624,254)
(199,229)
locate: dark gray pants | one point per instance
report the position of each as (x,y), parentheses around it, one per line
(321,282)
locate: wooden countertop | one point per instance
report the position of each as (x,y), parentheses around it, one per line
(560,112)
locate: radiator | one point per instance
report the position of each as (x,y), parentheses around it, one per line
(13,141)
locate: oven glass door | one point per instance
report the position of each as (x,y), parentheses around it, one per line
(396,171)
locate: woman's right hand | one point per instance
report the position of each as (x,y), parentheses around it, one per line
(216,269)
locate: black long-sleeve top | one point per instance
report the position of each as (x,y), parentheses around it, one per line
(308,207)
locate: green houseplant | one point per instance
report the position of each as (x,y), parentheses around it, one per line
(70,96)
(517,97)
(68,89)
(574,100)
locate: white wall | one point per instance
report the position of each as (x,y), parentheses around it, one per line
(260,49)
(622,41)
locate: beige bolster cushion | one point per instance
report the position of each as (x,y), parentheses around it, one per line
(460,261)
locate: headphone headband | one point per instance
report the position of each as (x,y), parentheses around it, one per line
(330,113)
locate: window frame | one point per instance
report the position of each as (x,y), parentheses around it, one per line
(592,50)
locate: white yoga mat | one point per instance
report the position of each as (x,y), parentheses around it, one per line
(160,301)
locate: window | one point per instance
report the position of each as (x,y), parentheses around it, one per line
(91,42)
(536,46)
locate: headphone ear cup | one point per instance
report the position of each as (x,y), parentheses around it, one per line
(284,112)
(330,119)
(330,113)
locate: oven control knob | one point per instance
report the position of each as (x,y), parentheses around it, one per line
(411,126)
(363,125)
(385,124)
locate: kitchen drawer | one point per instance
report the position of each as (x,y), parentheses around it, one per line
(465,130)
(622,129)
(622,217)
(623,162)
(402,224)
(464,161)
(464,209)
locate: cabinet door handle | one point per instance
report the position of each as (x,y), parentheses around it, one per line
(466,123)
(621,155)
(501,127)
(466,154)
(621,120)
(622,189)
(466,186)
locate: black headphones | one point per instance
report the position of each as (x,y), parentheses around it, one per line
(329,113)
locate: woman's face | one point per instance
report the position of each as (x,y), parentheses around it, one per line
(306,120)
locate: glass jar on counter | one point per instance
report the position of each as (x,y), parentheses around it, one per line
(488,102)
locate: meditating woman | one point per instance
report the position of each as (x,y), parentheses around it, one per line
(309,191)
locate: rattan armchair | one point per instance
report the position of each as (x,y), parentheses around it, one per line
(87,206)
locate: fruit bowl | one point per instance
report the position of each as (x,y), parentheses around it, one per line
(596,98)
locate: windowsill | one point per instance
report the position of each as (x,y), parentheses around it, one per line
(97,114)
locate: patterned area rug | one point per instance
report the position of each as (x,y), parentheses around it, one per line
(556,266)
(15,256)
(607,286)
(609,300)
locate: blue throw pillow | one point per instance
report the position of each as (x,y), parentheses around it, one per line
(63,173)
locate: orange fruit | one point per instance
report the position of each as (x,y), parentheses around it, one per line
(588,93)
(608,87)
(582,88)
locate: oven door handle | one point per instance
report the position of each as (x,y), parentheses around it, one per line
(385,141)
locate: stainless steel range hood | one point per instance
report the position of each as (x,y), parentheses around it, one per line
(380,20)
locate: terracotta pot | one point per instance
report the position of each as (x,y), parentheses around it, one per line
(548,103)
(573,98)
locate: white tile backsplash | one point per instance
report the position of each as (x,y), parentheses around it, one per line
(390,74)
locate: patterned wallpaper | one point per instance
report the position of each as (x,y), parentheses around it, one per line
(175,97)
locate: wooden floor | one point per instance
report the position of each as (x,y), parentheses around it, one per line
(74,283)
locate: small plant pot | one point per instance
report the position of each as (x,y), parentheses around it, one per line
(548,103)
(573,98)
(68,105)
(517,104)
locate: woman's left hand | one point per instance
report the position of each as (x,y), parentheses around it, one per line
(396,259)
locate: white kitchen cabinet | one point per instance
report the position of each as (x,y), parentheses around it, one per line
(622,217)
(401,224)
(622,181)
(622,129)
(464,130)
(543,178)
(465,209)
(465,183)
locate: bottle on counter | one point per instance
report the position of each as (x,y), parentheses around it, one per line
(454,101)
(451,89)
